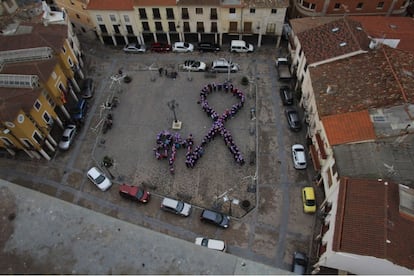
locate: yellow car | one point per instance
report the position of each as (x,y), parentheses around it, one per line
(309,201)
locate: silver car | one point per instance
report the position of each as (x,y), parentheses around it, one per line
(176,207)
(135,48)
(299,157)
(67,137)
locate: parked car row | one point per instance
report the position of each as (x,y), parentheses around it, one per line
(236,46)
(77,113)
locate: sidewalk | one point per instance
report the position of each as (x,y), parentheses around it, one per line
(45,235)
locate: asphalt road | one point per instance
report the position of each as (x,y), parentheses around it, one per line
(274,226)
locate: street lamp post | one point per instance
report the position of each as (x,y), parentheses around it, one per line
(173,105)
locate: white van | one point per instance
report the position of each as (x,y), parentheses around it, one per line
(241,46)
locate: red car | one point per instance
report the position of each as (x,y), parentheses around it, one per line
(160,47)
(134,193)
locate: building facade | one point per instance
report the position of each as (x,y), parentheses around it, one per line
(40,67)
(146,21)
(305,8)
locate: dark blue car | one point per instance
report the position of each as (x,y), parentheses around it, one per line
(79,111)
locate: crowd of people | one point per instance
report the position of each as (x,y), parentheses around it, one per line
(167,141)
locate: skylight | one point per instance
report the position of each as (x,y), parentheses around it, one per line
(342,44)
(334,30)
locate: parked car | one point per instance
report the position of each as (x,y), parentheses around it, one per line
(215,218)
(298,156)
(208,47)
(309,200)
(194,65)
(134,193)
(176,207)
(223,66)
(135,48)
(67,137)
(99,179)
(292,117)
(182,47)
(88,88)
(286,95)
(212,244)
(299,263)
(79,111)
(241,46)
(160,47)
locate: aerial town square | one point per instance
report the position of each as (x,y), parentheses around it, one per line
(206,137)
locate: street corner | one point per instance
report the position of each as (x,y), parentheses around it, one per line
(270,204)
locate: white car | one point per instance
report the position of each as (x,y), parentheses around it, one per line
(176,207)
(212,244)
(99,179)
(194,65)
(135,48)
(67,137)
(299,157)
(182,47)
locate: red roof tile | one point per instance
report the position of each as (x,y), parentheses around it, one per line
(390,27)
(302,24)
(348,127)
(367,217)
(334,39)
(364,81)
(118,5)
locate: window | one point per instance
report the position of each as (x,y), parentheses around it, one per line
(214,27)
(307,5)
(305,67)
(199,10)
(6,141)
(232,10)
(273,11)
(70,62)
(47,118)
(186,27)
(200,27)
(359,5)
(156,13)
(112,17)
(103,29)
(252,10)
(99,18)
(171,27)
(126,18)
(213,13)
(37,137)
(184,13)
(129,29)
(26,142)
(37,105)
(337,6)
(116,29)
(158,26)
(63,49)
(170,13)
(73,25)
(142,14)
(380,5)
(145,26)
(62,88)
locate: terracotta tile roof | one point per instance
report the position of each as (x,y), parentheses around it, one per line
(22,98)
(324,42)
(364,81)
(111,5)
(154,3)
(367,216)
(52,36)
(349,127)
(302,24)
(390,27)
(266,3)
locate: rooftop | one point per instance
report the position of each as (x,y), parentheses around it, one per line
(155,3)
(333,40)
(364,82)
(349,127)
(302,24)
(390,27)
(367,232)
